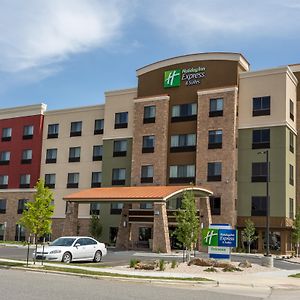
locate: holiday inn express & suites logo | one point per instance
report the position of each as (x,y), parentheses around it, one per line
(172,78)
(210,237)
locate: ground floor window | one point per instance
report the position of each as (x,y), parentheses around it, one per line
(20,233)
(2,229)
(113,233)
(274,240)
(145,234)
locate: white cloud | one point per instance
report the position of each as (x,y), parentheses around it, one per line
(35,34)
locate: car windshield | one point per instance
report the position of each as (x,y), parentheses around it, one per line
(65,242)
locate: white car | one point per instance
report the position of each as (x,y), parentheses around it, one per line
(72,248)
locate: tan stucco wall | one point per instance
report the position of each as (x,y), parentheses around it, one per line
(62,167)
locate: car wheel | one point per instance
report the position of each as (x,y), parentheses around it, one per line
(67,257)
(98,256)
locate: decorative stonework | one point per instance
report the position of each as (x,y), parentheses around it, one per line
(71,220)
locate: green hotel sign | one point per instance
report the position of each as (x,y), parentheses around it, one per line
(219,237)
(190,76)
(210,237)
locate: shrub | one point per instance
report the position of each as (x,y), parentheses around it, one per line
(174,264)
(133,262)
(162,265)
(211,269)
(232,269)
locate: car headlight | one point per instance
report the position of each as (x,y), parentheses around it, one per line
(55,251)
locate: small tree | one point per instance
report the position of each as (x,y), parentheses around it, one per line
(296,232)
(95,227)
(248,234)
(187,230)
(37,216)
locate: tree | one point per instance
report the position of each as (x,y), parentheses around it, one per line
(95,227)
(248,234)
(296,232)
(187,230)
(36,217)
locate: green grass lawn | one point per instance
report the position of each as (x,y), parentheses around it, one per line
(295,275)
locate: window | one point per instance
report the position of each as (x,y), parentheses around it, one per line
(97,152)
(147,174)
(25,181)
(292,141)
(291,200)
(182,174)
(291,175)
(214,171)
(120,148)
(2,206)
(113,233)
(261,106)
(145,234)
(149,114)
(26,156)
(51,156)
(76,128)
(259,206)
(99,126)
(6,134)
(20,233)
(27,132)
(259,172)
(146,205)
(96,179)
(116,208)
(183,142)
(50,181)
(148,144)
(22,205)
(118,176)
(184,112)
(291,110)
(53,131)
(95,208)
(4,157)
(215,139)
(215,205)
(121,120)
(216,107)
(3,181)
(261,138)
(73,180)
(74,154)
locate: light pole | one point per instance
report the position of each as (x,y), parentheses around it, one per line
(268,203)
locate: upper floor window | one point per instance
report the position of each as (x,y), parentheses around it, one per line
(148,144)
(261,138)
(215,205)
(184,112)
(95,208)
(4,157)
(99,126)
(97,152)
(25,181)
(214,171)
(76,128)
(121,120)
(147,174)
(3,181)
(259,206)
(291,110)
(74,154)
(2,206)
(183,142)
(96,179)
(116,208)
(50,181)
(51,156)
(22,205)
(259,172)
(261,106)
(292,210)
(120,148)
(182,174)
(215,139)
(53,131)
(216,107)
(292,141)
(73,180)
(6,134)
(146,205)
(26,156)
(149,114)
(28,132)
(118,176)
(291,168)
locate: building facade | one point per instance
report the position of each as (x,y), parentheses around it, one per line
(202,119)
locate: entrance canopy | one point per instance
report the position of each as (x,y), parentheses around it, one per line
(134,194)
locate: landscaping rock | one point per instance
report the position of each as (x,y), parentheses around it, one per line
(232,269)
(201,262)
(146,266)
(245,264)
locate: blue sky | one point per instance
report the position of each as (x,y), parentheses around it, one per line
(67,53)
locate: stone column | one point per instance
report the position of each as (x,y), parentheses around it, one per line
(71,220)
(161,239)
(124,229)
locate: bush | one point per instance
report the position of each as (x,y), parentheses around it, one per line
(211,269)
(133,262)
(174,264)
(232,269)
(162,265)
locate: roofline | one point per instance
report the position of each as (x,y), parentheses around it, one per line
(231,56)
(23,111)
(193,188)
(75,109)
